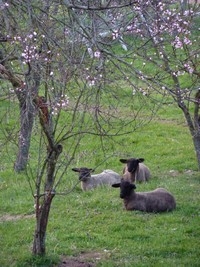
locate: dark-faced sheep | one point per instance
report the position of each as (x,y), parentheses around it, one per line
(135,170)
(158,200)
(88,181)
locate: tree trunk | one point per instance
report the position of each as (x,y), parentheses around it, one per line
(25,95)
(196,129)
(42,215)
(53,152)
(27,114)
(194,125)
(196,142)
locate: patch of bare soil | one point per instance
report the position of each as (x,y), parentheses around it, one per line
(85,259)
(75,263)
(8,217)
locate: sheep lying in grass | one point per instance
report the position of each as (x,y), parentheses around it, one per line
(135,170)
(158,200)
(88,181)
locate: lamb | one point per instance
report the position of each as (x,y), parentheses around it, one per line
(135,170)
(158,200)
(88,181)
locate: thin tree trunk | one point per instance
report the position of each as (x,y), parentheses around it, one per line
(196,142)
(53,152)
(42,215)
(27,115)
(194,125)
(42,212)
(25,95)
(27,112)
(196,129)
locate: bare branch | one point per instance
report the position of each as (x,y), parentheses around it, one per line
(98,7)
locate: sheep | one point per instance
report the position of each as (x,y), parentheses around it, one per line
(88,181)
(135,170)
(158,200)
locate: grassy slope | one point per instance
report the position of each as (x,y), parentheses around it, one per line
(96,220)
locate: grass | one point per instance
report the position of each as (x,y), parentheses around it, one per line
(95,221)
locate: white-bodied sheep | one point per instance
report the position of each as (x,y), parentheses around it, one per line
(88,181)
(158,200)
(135,170)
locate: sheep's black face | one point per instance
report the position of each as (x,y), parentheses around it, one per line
(83,177)
(126,188)
(132,165)
(84,173)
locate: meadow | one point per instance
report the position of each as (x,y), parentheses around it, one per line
(93,225)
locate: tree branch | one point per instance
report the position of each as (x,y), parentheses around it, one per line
(100,7)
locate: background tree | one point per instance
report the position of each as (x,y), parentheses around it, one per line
(161,37)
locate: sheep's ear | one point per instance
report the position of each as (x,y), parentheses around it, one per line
(116,185)
(123,160)
(140,159)
(76,169)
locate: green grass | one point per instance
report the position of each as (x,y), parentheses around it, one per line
(95,221)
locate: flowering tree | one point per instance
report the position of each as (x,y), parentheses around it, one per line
(63,57)
(161,36)
(170,46)
(58,76)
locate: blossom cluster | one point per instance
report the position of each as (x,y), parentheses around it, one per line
(179,42)
(188,68)
(115,34)
(4,5)
(158,19)
(140,90)
(30,49)
(93,80)
(93,54)
(61,103)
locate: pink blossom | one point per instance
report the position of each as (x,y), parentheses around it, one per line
(97,54)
